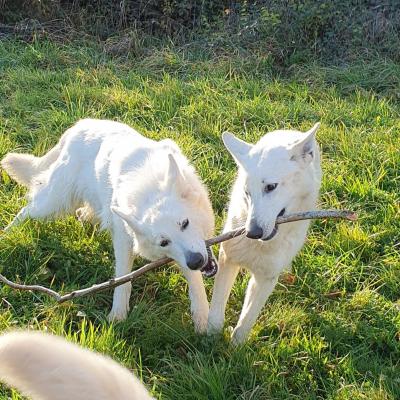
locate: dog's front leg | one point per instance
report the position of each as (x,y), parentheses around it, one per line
(198,299)
(222,287)
(258,291)
(123,251)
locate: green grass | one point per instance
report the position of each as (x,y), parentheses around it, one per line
(306,345)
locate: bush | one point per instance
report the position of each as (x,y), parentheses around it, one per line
(290,30)
(107,17)
(314,28)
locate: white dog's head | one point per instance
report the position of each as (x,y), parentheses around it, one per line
(273,175)
(172,224)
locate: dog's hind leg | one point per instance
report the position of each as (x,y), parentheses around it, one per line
(39,208)
(25,167)
(18,219)
(42,206)
(198,299)
(257,293)
(224,280)
(50,196)
(123,250)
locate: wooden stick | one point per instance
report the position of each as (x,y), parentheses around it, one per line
(111,283)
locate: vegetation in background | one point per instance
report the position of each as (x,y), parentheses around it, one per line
(291,31)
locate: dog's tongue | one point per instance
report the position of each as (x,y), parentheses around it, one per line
(211,268)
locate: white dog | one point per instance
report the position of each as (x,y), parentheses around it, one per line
(46,367)
(161,209)
(280,174)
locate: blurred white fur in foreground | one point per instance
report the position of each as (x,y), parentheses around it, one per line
(45,367)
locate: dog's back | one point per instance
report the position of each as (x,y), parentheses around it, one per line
(84,138)
(47,367)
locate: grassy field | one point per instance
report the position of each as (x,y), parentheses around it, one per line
(332,333)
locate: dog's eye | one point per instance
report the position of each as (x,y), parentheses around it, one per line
(184,224)
(270,187)
(165,242)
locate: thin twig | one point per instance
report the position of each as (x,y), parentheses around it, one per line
(323,214)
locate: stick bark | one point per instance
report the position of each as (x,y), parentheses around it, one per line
(113,282)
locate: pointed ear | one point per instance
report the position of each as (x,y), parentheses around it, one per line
(305,148)
(173,177)
(237,147)
(132,221)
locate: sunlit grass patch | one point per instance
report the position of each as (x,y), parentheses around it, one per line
(330,332)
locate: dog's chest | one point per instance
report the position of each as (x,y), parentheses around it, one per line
(271,257)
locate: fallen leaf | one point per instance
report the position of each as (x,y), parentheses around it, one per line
(288,278)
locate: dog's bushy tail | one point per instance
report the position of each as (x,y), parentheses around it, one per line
(25,167)
(48,367)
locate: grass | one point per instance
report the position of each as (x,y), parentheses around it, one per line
(308,343)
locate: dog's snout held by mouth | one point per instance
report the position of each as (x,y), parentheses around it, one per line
(194,260)
(265,232)
(254,231)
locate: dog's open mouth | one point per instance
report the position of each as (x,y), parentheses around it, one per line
(275,230)
(211,267)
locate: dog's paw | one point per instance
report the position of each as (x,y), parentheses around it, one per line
(213,329)
(84,214)
(200,322)
(239,336)
(120,307)
(117,315)
(80,214)
(215,325)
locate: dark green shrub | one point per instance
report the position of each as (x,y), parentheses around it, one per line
(107,17)
(289,30)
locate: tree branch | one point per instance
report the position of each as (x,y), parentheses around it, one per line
(113,282)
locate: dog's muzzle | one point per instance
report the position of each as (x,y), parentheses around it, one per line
(256,232)
(194,260)
(208,266)
(275,230)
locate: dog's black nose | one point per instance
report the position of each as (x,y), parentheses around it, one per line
(254,232)
(194,260)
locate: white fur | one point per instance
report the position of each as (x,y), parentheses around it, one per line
(47,367)
(103,166)
(290,159)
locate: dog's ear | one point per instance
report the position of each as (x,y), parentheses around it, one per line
(132,221)
(304,149)
(173,177)
(237,147)
(174,180)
